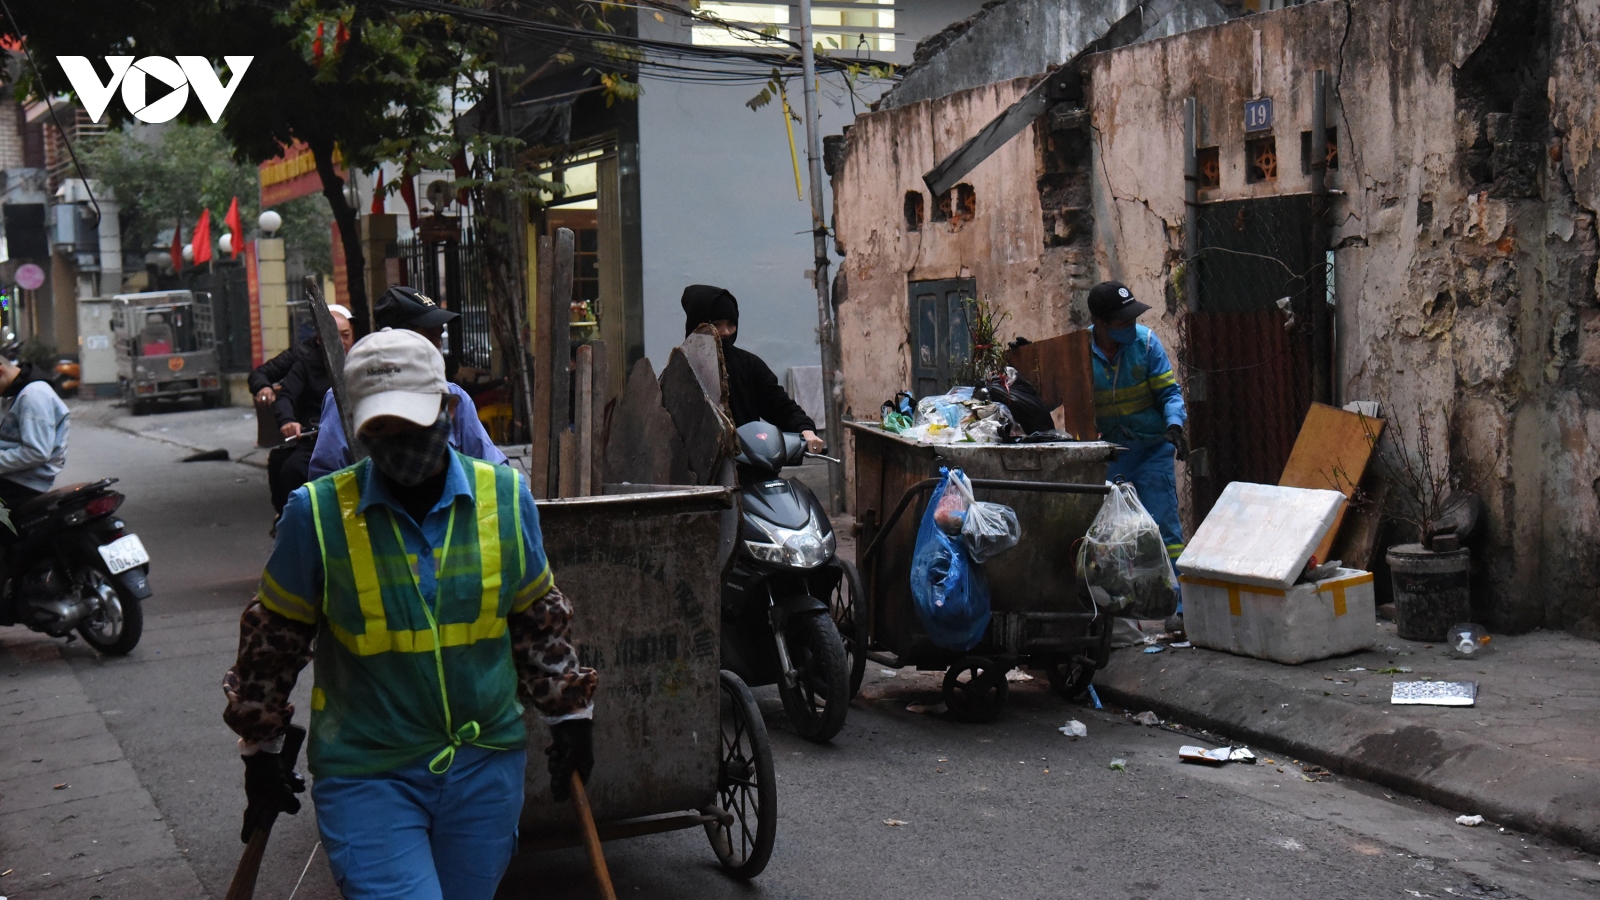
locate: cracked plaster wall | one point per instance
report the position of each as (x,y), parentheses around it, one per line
(1464,232)
(1463,224)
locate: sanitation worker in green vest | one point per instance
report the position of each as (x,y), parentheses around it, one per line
(419,576)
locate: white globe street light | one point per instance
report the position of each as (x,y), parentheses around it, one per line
(225,245)
(188,253)
(270,222)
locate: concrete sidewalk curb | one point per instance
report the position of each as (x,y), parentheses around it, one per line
(109,421)
(1543,796)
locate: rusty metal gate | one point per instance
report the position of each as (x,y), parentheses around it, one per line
(1246,351)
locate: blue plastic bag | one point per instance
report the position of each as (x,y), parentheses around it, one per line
(951,592)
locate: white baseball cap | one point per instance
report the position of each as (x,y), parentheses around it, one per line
(395,373)
(342,310)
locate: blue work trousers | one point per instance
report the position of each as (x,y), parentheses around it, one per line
(1149,467)
(412,835)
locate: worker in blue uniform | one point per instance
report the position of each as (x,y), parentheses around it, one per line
(1138,404)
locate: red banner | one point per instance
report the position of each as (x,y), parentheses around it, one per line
(294,175)
(252,283)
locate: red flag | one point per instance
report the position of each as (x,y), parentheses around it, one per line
(235,227)
(408,193)
(177,247)
(316,47)
(377,194)
(202,238)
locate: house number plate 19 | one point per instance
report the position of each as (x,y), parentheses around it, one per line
(1258,114)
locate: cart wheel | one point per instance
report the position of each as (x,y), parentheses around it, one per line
(847,604)
(975,689)
(1070,679)
(746,786)
(820,699)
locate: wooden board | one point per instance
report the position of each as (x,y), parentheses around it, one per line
(567,449)
(1356,543)
(583,420)
(1331,453)
(704,353)
(599,412)
(539,452)
(1062,368)
(558,315)
(707,432)
(642,446)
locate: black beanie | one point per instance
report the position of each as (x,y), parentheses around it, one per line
(703,303)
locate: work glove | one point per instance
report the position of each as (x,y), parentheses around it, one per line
(571,750)
(1180,444)
(270,784)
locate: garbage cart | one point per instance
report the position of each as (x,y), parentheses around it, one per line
(1041,616)
(678,743)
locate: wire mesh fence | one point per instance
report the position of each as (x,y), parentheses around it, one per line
(1246,349)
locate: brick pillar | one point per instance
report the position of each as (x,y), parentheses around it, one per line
(273,290)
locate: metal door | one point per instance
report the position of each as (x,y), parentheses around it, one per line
(940,341)
(1246,353)
(95,351)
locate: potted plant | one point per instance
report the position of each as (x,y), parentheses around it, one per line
(1431,576)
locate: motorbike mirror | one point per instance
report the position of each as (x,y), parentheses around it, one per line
(794,449)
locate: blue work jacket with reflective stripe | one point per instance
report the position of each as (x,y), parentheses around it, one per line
(1136,394)
(413,656)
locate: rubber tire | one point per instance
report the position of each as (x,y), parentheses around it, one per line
(139,407)
(132,622)
(814,643)
(741,709)
(986,695)
(852,628)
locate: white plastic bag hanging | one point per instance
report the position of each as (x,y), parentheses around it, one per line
(987,529)
(1125,557)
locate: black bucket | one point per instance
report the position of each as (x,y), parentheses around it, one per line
(1432,590)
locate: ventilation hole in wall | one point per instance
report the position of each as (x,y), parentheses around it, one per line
(1332,150)
(1261,159)
(916,210)
(943,205)
(1210,165)
(966,207)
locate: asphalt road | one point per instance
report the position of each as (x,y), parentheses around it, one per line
(1008,810)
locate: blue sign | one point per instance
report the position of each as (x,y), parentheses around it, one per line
(1258,114)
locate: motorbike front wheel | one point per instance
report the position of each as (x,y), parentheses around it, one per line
(116,628)
(817,703)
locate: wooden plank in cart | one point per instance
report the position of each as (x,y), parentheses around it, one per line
(1062,368)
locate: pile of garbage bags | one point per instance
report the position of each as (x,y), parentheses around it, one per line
(1005,410)
(957,535)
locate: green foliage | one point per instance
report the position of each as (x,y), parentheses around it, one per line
(988,353)
(161,177)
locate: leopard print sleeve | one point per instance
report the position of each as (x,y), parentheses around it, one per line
(272,651)
(548,673)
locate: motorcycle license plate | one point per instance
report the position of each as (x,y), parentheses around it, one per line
(124,553)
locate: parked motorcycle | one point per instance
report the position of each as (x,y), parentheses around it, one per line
(779,598)
(74,566)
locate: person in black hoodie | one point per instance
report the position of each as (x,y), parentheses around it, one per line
(293,383)
(753,391)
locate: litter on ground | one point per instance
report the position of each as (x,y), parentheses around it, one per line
(1147,719)
(1469,821)
(1074,729)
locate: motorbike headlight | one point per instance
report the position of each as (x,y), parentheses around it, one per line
(802,549)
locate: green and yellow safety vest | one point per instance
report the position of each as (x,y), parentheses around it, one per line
(398,680)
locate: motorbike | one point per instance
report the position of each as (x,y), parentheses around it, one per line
(74,566)
(784,588)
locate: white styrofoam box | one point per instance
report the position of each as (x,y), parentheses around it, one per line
(1307,621)
(1260,534)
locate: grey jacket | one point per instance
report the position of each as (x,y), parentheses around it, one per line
(33,437)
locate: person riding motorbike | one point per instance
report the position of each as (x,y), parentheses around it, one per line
(33,434)
(293,384)
(407,309)
(753,391)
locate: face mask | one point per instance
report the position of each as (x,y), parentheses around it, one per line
(1125,335)
(727,342)
(411,457)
